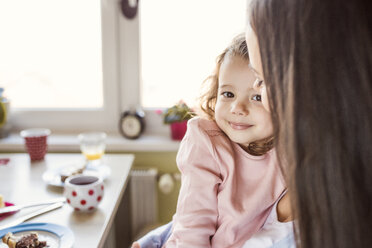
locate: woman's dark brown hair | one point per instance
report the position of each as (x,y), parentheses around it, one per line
(317,64)
(207,100)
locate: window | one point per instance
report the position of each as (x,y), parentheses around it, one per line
(180,41)
(75,65)
(47,58)
(56,63)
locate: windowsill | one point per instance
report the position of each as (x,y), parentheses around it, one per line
(114,143)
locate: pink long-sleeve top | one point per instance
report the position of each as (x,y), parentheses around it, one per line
(226,193)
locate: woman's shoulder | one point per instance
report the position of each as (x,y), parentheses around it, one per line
(274,233)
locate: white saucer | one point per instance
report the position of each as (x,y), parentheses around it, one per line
(53,176)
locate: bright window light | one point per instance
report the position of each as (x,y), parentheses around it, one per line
(51,53)
(180,40)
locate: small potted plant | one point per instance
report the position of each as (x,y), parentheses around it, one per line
(177,116)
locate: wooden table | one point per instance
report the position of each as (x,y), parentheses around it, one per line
(21,182)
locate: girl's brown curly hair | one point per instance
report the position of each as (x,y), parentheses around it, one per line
(208,98)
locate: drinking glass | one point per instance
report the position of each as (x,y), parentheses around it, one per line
(92,145)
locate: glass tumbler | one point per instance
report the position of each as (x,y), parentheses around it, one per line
(92,146)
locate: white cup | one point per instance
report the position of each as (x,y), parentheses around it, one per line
(84,192)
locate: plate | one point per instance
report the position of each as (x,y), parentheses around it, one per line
(55,235)
(53,176)
(3,216)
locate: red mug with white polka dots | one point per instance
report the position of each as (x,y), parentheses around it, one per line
(84,192)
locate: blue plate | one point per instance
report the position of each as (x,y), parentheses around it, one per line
(55,235)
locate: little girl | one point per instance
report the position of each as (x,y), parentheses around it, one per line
(230,175)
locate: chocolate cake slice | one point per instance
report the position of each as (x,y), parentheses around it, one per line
(26,241)
(70,171)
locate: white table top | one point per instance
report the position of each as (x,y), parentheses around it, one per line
(21,182)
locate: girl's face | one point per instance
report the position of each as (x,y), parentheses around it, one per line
(239,111)
(256,65)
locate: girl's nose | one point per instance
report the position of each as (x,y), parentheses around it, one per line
(240,108)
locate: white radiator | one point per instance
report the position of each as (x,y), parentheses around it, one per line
(143,193)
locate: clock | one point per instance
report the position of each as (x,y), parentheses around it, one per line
(132,124)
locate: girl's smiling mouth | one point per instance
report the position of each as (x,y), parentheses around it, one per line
(239,126)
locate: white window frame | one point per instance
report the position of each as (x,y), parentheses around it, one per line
(105,118)
(130,73)
(121,84)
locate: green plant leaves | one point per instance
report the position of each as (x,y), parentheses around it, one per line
(178,113)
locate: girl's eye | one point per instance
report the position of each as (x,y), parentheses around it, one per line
(227,94)
(256,98)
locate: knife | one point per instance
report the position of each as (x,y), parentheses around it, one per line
(32,215)
(19,207)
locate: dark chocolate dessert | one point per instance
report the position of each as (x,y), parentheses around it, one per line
(70,171)
(26,241)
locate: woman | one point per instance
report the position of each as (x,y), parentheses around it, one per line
(315,58)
